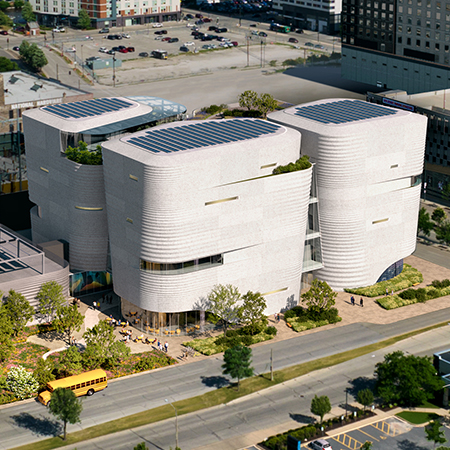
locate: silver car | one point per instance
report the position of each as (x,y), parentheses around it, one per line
(320,444)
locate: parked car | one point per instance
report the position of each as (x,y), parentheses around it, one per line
(158,38)
(299,31)
(143,54)
(235,43)
(126,35)
(188,43)
(16,49)
(262,34)
(111,52)
(103,50)
(206,19)
(166,39)
(123,50)
(199,22)
(173,40)
(104,31)
(309,44)
(253,25)
(4,33)
(115,49)
(199,16)
(185,49)
(71,50)
(93,58)
(221,30)
(212,28)
(188,16)
(295,41)
(157,25)
(206,47)
(320,444)
(319,46)
(130,49)
(59,29)
(161,32)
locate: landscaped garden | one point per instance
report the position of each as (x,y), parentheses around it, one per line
(409,277)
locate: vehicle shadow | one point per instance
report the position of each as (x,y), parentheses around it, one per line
(406,444)
(215,381)
(301,418)
(37,425)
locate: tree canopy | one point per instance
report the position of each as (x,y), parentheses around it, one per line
(266,103)
(32,54)
(320,406)
(443,232)
(4,5)
(21,382)
(70,361)
(237,363)
(434,433)
(18,310)
(5,20)
(68,320)
(19,4)
(438,215)
(406,380)
(248,99)
(82,155)
(44,372)
(223,302)
(84,21)
(6,65)
(65,406)
(365,397)
(6,331)
(424,225)
(51,298)
(27,13)
(320,296)
(252,310)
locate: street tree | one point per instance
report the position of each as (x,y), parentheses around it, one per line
(5,20)
(252,310)
(102,347)
(406,380)
(21,382)
(6,65)
(443,232)
(446,192)
(68,320)
(36,58)
(51,298)
(223,302)
(18,4)
(365,397)
(238,363)
(266,103)
(434,433)
(366,446)
(438,215)
(320,406)
(84,21)
(27,13)
(141,446)
(65,406)
(18,310)
(6,331)
(425,225)
(249,100)
(44,372)
(4,5)
(320,296)
(70,361)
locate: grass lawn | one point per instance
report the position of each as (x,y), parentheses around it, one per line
(416,417)
(219,396)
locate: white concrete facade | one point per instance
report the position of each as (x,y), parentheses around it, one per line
(367,174)
(217,200)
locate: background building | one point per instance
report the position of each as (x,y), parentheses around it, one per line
(397,44)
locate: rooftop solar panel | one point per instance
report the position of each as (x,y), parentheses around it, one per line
(88,108)
(205,134)
(343,111)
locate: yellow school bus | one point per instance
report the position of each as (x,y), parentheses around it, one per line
(84,384)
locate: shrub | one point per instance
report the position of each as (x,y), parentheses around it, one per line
(271,330)
(82,155)
(221,340)
(231,333)
(301,164)
(247,340)
(440,284)
(433,293)
(409,294)
(289,314)
(421,295)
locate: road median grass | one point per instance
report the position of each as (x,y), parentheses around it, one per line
(218,396)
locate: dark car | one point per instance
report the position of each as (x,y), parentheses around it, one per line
(293,40)
(212,28)
(207,37)
(93,58)
(199,16)
(161,32)
(115,49)
(221,30)
(262,34)
(130,49)
(173,40)
(16,49)
(206,19)
(143,54)
(189,16)
(309,44)
(253,25)
(4,32)
(299,31)
(199,22)
(111,52)
(166,39)
(183,48)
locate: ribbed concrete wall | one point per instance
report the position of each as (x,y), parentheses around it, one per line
(260,233)
(368,209)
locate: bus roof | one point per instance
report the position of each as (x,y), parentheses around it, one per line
(76,379)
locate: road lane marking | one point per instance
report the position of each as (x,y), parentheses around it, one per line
(348,441)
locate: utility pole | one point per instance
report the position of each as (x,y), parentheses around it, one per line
(82,60)
(271,364)
(248,50)
(57,74)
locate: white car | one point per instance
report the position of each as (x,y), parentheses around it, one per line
(158,38)
(126,36)
(320,444)
(59,30)
(187,44)
(71,50)
(103,50)
(157,25)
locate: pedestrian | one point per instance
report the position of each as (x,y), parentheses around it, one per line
(166,346)
(361,302)
(278,317)
(158,345)
(392,292)
(387,292)
(93,305)
(352,300)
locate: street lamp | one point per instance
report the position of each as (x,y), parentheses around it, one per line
(176,422)
(114,71)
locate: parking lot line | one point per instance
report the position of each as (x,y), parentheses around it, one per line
(348,441)
(384,428)
(367,434)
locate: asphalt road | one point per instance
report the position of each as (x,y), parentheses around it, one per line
(30,421)
(284,406)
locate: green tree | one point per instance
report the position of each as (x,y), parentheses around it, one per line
(438,215)
(222,301)
(102,347)
(18,4)
(141,446)
(27,13)
(36,58)
(84,21)
(365,397)
(366,446)
(66,407)
(320,296)
(18,310)
(425,225)
(6,65)
(51,298)
(248,99)
(4,5)
(406,380)
(443,232)
(320,406)
(237,363)
(70,361)
(266,103)
(6,331)
(252,310)
(68,320)
(44,372)
(446,192)
(21,382)
(5,20)
(434,433)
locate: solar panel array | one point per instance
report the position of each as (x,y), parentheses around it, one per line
(203,134)
(343,111)
(88,108)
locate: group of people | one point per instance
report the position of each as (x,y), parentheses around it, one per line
(387,291)
(353,301)
(72,340)
(162,347)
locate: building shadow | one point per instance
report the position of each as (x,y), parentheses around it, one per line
(38,426)
(215,381)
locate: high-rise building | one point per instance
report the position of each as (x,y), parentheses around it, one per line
(397,44)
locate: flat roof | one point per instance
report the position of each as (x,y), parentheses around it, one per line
(196,135)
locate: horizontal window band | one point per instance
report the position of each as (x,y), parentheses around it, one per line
(379,221)
(215,202)
(274,292)
(87,208)
(181,267)
(44,169)
(268,165)
(394,166)
(133,177)
(129,220)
